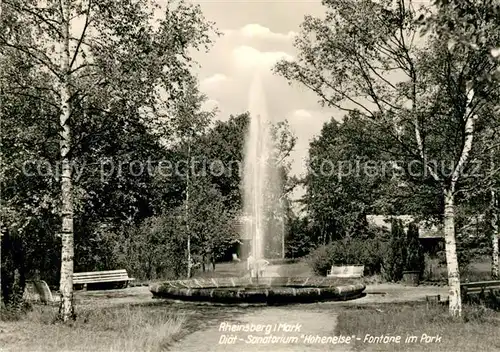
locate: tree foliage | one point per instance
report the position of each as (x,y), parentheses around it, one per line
(431,98)
(125,77)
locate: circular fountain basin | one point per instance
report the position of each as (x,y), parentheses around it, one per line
(270,290)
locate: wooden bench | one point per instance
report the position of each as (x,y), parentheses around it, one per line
(348,271)
(479,288)
(97,277)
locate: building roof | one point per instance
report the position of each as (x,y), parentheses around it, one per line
(425,229)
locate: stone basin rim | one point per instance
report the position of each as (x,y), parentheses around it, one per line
(259,283)
(269,290)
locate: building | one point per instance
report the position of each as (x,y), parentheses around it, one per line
(426,229)
(431,235)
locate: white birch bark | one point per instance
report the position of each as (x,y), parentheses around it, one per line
(495,270)
(66,309)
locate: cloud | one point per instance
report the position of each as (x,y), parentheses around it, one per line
(301,114)
(210,104)
(213,80)
(255,30)
(305,120)
(307,124)
(249,57)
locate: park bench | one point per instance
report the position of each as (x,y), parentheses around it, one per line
(97,277)
(478,288)
(348,271)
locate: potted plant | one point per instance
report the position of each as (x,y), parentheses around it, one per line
(415,259)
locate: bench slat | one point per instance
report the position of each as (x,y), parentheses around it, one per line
(105,271)
(101,276)
(109,275)
(102,272)
(107,279)
(485,290)
(347,271)
(480,284)
(97,281)
(479,288)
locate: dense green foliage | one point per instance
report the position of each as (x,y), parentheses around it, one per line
(419,87)
(367,252)
(421,125)
(143,148)
(414,250)
(395,258)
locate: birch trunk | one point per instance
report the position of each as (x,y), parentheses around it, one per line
(455,306)
(495,270)
(66,309)
(187,213)
(449,212)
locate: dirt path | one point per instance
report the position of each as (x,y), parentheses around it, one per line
(379,293)
(316,320)
(295,329)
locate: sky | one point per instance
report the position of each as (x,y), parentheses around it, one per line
(256,34)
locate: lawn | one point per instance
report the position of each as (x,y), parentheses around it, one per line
(130,328)
(478,332)
(154,327)
(95,329)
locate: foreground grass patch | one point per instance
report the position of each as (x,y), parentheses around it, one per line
(97,329)
(477,332)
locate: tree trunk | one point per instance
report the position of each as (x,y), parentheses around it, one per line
(283,237)
(495,270)
(187,214)
(449,211)
(66,309)
(451,253)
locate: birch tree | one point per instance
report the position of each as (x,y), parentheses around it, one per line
(367,57)
(191,122)
(495,263)
(101,52)
(470,23)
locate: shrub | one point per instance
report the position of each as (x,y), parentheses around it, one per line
(351,251)
(373,256)
(320,260)
(394,261)
(415,260)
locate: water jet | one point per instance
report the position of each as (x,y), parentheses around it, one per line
(262,208)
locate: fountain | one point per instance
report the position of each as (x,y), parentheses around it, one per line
(261,206)
(261,181)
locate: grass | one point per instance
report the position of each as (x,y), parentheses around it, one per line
(126,328)
(478,331)
(478,270)
(155,327)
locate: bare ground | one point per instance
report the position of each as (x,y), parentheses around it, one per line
(201,330)
(317,319)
